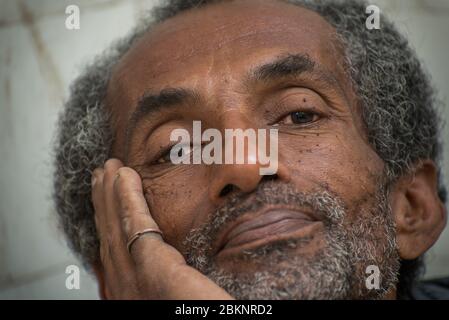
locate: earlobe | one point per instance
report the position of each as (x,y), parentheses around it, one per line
(99,275)
(419,213)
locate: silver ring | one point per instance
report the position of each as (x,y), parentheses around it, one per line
(137,235)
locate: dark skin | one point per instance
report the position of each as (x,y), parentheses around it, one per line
(213,52)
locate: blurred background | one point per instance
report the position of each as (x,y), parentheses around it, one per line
(39,57)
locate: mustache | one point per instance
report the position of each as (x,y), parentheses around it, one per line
(325,205)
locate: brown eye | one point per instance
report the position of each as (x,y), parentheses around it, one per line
(182,151)
(302,117)
(166,156)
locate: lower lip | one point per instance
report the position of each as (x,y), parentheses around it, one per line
(285,228)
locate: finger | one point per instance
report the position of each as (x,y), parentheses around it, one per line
(98,200)
(116,238)
(112,204)
(134,212)
(117,263)
(111,167)
(100,216)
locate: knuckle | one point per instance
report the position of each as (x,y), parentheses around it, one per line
(110,255)
(110,248)
(126,224)
(131,208)
(103,253)
(110,239)
(127,198)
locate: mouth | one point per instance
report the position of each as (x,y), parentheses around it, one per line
(273,224)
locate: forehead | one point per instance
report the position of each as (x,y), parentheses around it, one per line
(213,45)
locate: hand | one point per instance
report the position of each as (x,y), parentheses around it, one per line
(154,269)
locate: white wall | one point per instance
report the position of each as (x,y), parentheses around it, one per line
(38,59)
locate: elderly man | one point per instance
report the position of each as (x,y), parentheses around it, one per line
(355,200)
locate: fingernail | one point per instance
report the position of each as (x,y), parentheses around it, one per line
(93,180)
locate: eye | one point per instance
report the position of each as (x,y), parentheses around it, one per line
(182,152)
(300,117)
(164,158)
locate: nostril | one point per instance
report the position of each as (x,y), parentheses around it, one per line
(270,177)
(226,190)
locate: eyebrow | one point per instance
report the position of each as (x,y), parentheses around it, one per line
(151,103)
(289,65)
(284,66)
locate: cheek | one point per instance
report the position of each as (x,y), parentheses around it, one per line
(177,201)
(340,162)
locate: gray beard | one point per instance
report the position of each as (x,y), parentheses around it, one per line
(336,271)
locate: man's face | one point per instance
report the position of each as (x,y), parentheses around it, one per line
(323,217)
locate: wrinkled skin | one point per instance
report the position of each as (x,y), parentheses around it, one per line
(211,51)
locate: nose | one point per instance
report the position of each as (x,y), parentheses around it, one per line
(245,177)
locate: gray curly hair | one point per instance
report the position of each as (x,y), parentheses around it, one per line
(398,106)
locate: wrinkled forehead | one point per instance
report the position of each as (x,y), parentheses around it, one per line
(220,42)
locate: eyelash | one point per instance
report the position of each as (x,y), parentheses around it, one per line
(315,117)
(166,152)
(286,113)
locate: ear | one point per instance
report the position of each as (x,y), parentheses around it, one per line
(419,213)
(99,274)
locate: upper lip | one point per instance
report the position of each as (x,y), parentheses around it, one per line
(267,215)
